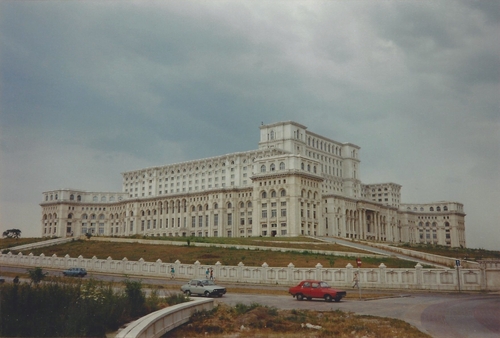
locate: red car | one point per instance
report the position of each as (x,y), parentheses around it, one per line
(316,289)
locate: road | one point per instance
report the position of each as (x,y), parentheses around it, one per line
(441,315)
(379,251)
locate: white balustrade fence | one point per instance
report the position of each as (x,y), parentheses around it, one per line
(487,277)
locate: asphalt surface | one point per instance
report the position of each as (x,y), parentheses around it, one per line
(441,315)
(379,251)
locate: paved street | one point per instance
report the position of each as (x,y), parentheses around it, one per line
(442,315)
(357,245)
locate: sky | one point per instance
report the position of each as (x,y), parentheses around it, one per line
(91,89)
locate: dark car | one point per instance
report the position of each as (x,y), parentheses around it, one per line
(75,272)
(205,287)
(316,289)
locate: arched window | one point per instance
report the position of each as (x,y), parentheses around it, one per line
(308,167)
(79,198)
(70,216)
(101,216)
(84,216)
(438,209)
(283,193)
(249,204)
(314,169)
(193,209)
(200,208)
(103,199)
(263,169)
(71,197)
(431,209)
(282,166)
(216,206)
(229,205)
(445,208)
(142,213)
(272,167)
(264,194)
(94,198)
(242,205)
(273,193)
(131,213)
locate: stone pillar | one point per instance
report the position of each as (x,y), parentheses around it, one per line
(419,275)
(290,272)
(197,270)
(264,270)
(319,268)
(382,271)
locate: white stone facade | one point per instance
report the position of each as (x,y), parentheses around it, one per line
(296,183)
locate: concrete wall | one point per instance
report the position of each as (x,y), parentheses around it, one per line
(487,277)
(156,324)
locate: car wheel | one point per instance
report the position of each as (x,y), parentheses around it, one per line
(207,294)
(337,299)
(300,296)
(187,293)
(328,298)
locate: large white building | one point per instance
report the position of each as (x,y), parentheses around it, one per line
(296,183)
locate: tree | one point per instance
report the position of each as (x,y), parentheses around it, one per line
(37,275)
(12,233)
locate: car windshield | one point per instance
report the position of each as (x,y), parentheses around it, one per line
(324,285)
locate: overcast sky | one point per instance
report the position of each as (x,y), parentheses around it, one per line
(92,89)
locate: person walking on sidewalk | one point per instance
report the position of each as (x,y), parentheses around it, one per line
(355,280)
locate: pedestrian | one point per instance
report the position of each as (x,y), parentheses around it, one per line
(16,280)
(172,272)
(211,274)
(207,272)
(355,281)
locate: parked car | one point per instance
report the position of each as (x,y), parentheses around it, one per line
(316,289)
(75,272)
(205,287)
(2,280)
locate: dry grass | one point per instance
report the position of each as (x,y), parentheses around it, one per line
(259,321)
(11,242)
(208,255)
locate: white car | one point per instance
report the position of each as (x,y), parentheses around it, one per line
(204,287)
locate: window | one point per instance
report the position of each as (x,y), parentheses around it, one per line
(283,193)
(229,219)
(273,193)
(263,169)
(216,220)
(264,213)
(272,167)
(264,194)
(282,166)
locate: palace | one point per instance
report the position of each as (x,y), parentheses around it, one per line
(296,183)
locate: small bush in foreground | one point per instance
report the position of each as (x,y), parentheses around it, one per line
(84,309)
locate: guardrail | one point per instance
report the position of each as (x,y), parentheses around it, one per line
(156,324)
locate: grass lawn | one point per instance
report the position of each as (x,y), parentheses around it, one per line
(11,242)
(210,255)
(461,253)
